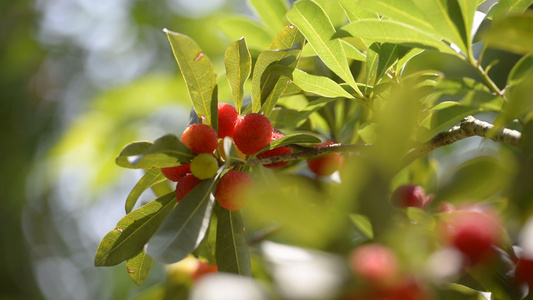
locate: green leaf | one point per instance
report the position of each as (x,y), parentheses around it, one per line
(288,38)
(404,11)
(166,151)
(355,10)
(468,10)
(238,62)
(185,227)
(352,52)
(520,100)
(292,139)
(446,19)
(295,119)
(272,13)
(396,32)
(514,34)
(363,224)
(271,76)
(319,85)
(317,28)
(508,7)
(133,231)
(231,248)
(445,118)
(387,55)
(520,70)
(421,217)
(197,71)
(236,27)
(151,177)
(130,151)
(138,267)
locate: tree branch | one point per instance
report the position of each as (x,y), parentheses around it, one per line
(469,127)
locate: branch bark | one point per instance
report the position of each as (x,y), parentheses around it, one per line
(469,127)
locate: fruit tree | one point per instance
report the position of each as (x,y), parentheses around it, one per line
(388,142)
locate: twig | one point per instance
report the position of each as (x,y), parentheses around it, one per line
(469,127)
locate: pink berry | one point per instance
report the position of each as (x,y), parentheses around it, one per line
(410,196)
(276,152)
(252,133)
(473,233)
(175,173)
(185,184)
(227,118)
(230,189)
(375,263)
(200,138)
(327,164)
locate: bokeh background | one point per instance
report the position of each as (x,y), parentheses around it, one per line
(79,79)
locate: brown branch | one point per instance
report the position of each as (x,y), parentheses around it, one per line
(469,127)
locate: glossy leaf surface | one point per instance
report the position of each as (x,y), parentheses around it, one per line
(133,231)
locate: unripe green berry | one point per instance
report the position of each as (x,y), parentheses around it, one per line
(204,166)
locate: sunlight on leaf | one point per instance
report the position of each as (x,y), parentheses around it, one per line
(197,72)
(238,62)
(232,250)
(138,267)
(319,32)
(133,231)
(151,177)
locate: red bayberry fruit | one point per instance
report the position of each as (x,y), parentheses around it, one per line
(327,164)
(410,196)
(473,233)
(200,138)
(276,152)
(375,263)
(407,289)
(230,189)
(252,133)
(203,269)
(524,271)
(227,118)
(186,183)
(175,173)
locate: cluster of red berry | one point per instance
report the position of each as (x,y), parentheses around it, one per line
(250,133)
(471,231)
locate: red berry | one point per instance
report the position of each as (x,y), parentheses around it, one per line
(185,185)
(227,118)
(200,138)
(524,271)
(230,189)
(405,290)
(375,263)
(175,173)
(473,233)
(203,269)
(410,196)
(252,133)
(327,164)
(276,152)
